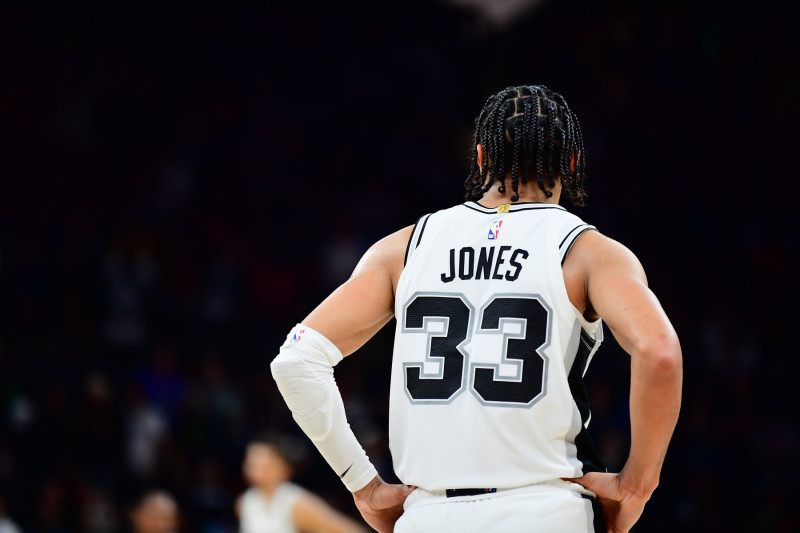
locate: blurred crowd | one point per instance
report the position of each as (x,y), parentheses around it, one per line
(181,190)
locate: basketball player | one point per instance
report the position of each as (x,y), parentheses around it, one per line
(273,504)
(155,512)
(499,303)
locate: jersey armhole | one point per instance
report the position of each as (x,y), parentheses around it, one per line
(569,240)
(593,329)
(416,236)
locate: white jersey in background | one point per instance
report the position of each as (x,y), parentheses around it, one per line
(489,355)
(258,514)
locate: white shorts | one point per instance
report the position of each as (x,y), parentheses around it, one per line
(543,508)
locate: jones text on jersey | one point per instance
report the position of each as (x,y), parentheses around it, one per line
(488,263)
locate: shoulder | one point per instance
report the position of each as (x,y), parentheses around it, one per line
(288,495)
(247,494)
(596,251)
(389,247)
(293,490)
(387,255)
(595,259)
(244,500)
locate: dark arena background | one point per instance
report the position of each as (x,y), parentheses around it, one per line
(179,187)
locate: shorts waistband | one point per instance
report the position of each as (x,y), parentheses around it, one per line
(421,496)
(455,493)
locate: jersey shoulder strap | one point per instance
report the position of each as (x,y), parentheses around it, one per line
(570,227)
(416,236)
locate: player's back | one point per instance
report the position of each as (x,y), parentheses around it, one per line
(489,357)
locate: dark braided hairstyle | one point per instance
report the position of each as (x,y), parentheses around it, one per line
(532,130)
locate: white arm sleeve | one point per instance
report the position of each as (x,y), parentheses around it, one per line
(303,371)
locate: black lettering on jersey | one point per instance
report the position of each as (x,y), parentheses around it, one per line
(488,267)
(500,261)
(511,276)
(447,278)
(466,268)
(485,261)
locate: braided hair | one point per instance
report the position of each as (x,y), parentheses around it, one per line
(527,131)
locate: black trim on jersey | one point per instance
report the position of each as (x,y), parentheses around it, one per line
(570,233)
(421,231)
(519,207)
(581,232)
(413,233)
(587,455)
(598,523)
(411,238)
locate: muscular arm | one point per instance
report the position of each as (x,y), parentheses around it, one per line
(615,288)
(617,291)
(361,306)
(303,371)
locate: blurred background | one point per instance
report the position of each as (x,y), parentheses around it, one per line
(180,187)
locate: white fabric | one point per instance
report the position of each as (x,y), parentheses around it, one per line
(303,371)
(545,508)
(259,514)
(465,440)
(7,526)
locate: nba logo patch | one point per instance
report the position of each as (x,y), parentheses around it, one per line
(494,229)
(297,335)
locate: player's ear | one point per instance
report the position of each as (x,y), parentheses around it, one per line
(479,149)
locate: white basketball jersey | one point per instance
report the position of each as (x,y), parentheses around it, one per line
(489,355)
(257,514)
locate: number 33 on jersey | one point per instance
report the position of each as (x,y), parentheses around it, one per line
(489,352)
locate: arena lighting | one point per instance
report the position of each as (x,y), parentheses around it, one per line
(499,12)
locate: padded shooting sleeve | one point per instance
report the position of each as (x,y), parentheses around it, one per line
(303,371)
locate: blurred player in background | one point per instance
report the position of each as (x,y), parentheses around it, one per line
(155,512)
(6,524)
(498,304)
(273,504)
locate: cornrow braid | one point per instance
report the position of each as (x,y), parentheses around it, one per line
(551,132)
(527,131)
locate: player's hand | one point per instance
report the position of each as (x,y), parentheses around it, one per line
(621,507)
(381,504)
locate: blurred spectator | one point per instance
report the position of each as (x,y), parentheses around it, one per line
(155,512)
(146,429)
(274,503)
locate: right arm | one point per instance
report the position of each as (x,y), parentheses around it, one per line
(303,371)
(617,292)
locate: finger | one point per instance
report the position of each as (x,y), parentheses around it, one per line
(390,495)
(402,491)
(579,480)
(588,481)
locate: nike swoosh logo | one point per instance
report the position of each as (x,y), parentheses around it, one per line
(345,472)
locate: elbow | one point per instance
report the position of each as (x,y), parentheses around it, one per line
(277,367)
(284,369)
(664,356)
